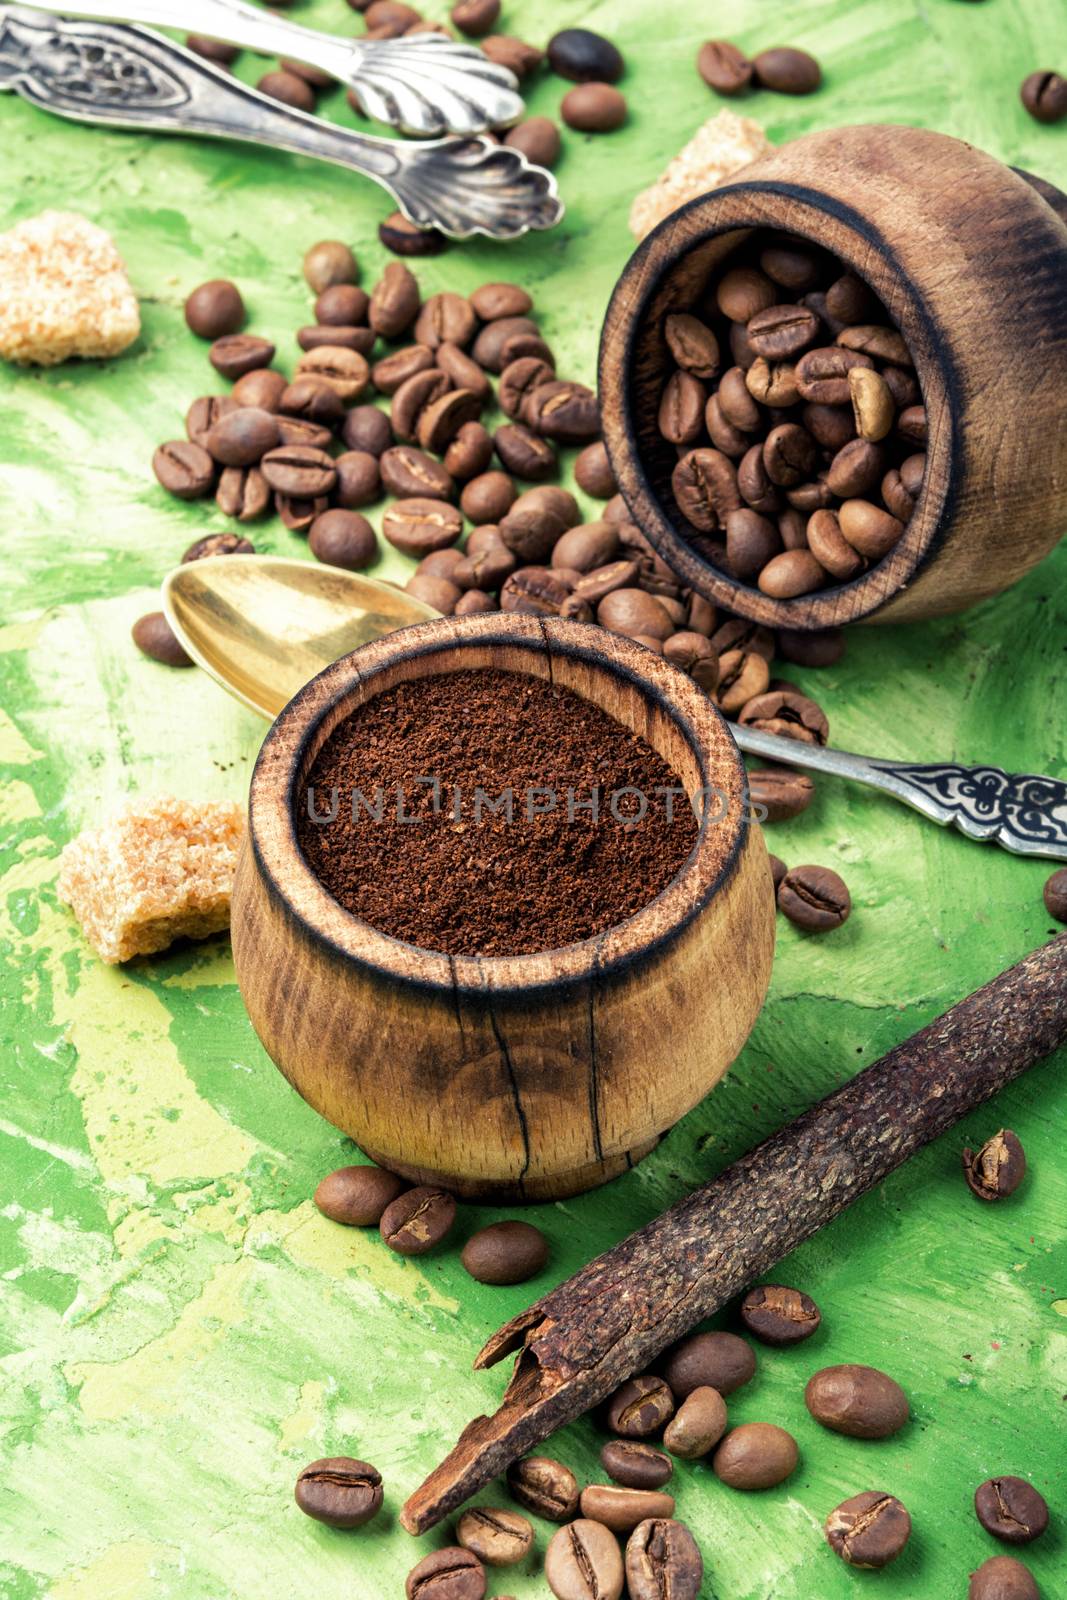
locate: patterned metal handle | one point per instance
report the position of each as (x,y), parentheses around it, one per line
(132,78)
(427,85)
(1022,812)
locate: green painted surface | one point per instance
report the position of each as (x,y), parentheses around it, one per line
(179,1329)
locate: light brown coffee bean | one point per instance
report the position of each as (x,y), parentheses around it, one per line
(330,262)
(545,1487)
(593,586)
(505,1252)
(869,1530)
(346,371)
(633,612)
(857,468)
(721,1361)
(696,1427)
(219,544)
(830,547)
(357,1196)
(793,573)
(724,67)
(588,546)
(743,292)
(781,792)
(417,1220)
(495,300)
(743,674)
(810,497)
(872,403)
(878,342)
(244,493)
(394,302)
(663,1562)
(779,1316)
(475,18)
(449,1574)
(642,1405)
(757,1455)
(869,529)
(772,383)
(498,1537)
(519,57)
(636,1465)
(584,1562)
(594,108)
(538,139)
(262,388)
(1002,1578)
(154,637)
(340,1491)
(621,1509)
(410,473)
(417,526)
(681,408)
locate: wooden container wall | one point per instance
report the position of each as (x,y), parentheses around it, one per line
(524,1077)
(970,259)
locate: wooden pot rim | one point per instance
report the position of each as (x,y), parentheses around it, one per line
(734,208)
(302,727)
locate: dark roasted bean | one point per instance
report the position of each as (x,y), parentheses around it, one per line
(869,1530)
(340,1491)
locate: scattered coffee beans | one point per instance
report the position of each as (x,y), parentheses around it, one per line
(640,1407)
(814,898)
(869,1530)
(861,1402)
(214,309)
(1044,94)
(328,264)
(621,1509)
(538,139)
(505,1252)
(1011,1509)
(417,1220)
(594,108)
(663,1562)
(545,1487)
(583,1562)
(584,57)
(499,1538)
(219,544)
(724,67)
(721,1361)
(779,1316)
(154,637)
(357,1196)
(787,71)
(475,18)
(997,1169)
(756,1455)
(1003,1578)
(340,1491)
(782,792)
(636,1465)
(1055,895)
(697,1425)
(449,1574)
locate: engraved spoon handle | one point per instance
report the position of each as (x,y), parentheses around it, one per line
(1022,812)
(129,77)
(425,85)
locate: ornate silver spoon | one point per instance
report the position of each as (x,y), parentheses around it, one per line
(427,85)
(262,626)
(133,78)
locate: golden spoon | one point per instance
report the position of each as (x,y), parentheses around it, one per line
(263,626)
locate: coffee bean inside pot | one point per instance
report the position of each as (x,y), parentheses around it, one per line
(1011,1509)
(779,1316)
(869,1530)
(998,1168)
(340,1491)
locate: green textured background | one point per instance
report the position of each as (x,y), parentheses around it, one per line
(179,1329)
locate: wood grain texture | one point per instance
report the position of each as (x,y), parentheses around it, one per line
(522,1077)
(970,260)
(611,1321)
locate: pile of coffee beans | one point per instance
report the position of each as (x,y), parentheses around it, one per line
(786,70)
(415,1220)
(797,419)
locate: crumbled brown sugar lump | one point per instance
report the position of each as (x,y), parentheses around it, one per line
(156,873)
(63,292)
(724,145)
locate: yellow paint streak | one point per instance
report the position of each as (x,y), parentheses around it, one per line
(123,1572)
(297,1428)
(139,1229)
(313,1240)
(1060,1307)
(18,803)
(151,1379)
(227,1214)
(15,750)
(22,635)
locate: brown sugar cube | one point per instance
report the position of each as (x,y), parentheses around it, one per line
(63,292)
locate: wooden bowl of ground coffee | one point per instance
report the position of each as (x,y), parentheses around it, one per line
(809,496)
(513,1000)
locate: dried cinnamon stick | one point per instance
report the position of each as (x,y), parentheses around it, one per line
(584,1338)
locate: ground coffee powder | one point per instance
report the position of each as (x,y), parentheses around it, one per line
(405,818)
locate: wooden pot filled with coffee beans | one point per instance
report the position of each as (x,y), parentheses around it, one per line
(835,389)
(513,1000)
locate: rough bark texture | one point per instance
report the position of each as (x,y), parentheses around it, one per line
(579,1342)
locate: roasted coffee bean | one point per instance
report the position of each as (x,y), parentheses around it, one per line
(693,345)
(394,301)
(417,1220)
(328,263)
(537,520)
(496,1536)
(705,486)
(488,347)
(361,340)
(781,792)
(696,1427)
(505,1252)
(787,71)
(410,473)
(588,546)
(345,539)
(538,139)
(519,57)
(911,425)
(772,383)
(288,87)
(567,412)
(184,469)
(780,332)
(473,603)
(743,674)
(779,1316)
(903,386)
(357,1196)
(464,372)
(1003,1578)
(738,633)
(636,1465)
(874,339)
(997,1169)
(440,593)
(340,1491)
(1044,94)
(346,371)
(154,637)
(858,1401)
(300,431)
(778,871)
(642,1405)
(602,581)
(830,426)
(636,614)
(1011,1509)
(790,454)
(398,366)
(830,547)
(414,395)
(724,67)
(810,497)
(342,305)
(594,108)
(449,1574)
(299,512)
(485,566)
(869,1530)
(735,402)
(869,529)
(262,388)
(403,238)
(545,1487)
(475,18)
(814,899)
(898,502)
(442,564)
(538,592)
(789,714)
(525,453)
(237,353)
(212,49)
(446,318)
(872,403)
(721,1361)
(850,300)
(593,474)
(215,309)
(313,400)
(368,429)
(751,541)
(792,263)
(244,493)
(488,498)
(1054,894)
(681,408)
(441,420)
(584,57)
(299,471)
(468,456)
(417,526)
(822,374)
(663,1562)
(691,653)
(794,572)
(203,414)
(756,1455)
(753,484)
(743,292)
(358,479)
(583,1562)
(518,381)
(621,1509)
(219,544)
(857,468)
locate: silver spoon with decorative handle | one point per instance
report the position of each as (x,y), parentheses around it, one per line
(124,77)
(427,85)
(1021,811)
